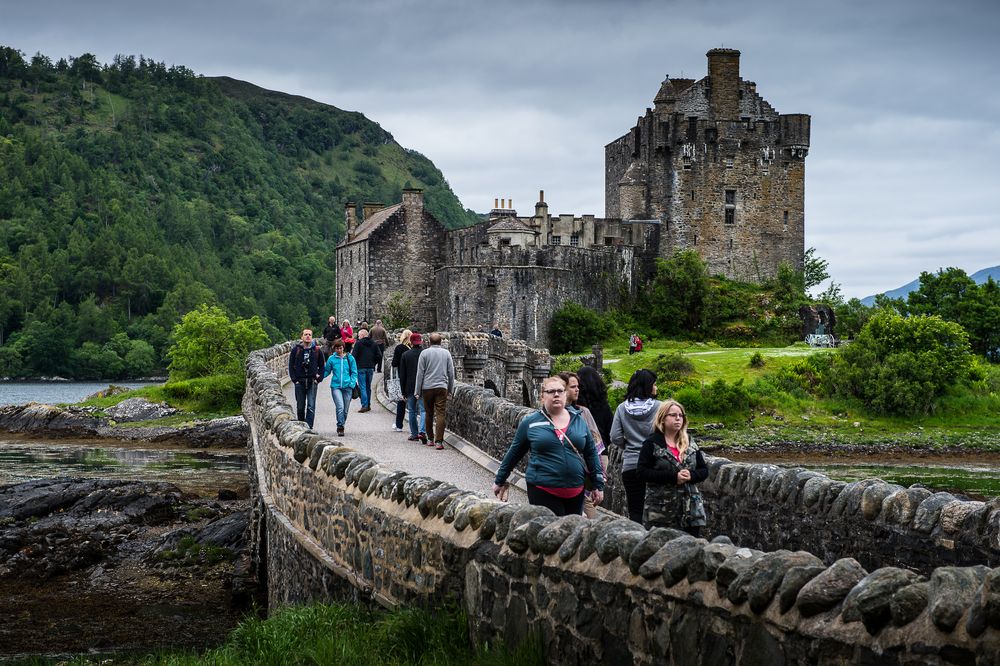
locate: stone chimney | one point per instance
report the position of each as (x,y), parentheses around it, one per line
(541,211)
(371,207)
(724,78)
(413,201)
(350,216)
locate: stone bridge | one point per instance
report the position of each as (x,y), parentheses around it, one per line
(821,572)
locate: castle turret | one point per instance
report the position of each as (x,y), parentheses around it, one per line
(795,133)
(350,217)
(724,77)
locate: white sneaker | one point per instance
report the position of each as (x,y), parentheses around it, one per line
(395,429)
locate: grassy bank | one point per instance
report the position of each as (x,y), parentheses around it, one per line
(197,399)
(344,634)
(757,397)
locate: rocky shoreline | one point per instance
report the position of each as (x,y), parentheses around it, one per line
(102,565)
(49,421)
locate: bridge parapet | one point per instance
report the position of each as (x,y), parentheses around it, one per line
(332,523)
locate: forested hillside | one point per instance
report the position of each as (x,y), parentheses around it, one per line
(132,192)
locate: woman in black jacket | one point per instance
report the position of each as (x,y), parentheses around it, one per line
(671,464)
(397,356)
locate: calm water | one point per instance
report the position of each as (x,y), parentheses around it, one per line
(977,480)
(19,393)
(199,472)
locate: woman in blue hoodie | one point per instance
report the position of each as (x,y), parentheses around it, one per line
(343,372)
(632,425)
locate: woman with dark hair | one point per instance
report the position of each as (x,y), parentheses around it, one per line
(572,381)
(594,396)
(632,425)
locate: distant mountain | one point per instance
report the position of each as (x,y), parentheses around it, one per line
(978,277)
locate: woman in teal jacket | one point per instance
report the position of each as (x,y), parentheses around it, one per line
(559,441)
(343,373)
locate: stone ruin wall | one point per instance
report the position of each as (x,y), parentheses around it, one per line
(330,523)
(521,289)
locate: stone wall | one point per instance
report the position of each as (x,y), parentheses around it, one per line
(521,288)
(507,368)
(331,522)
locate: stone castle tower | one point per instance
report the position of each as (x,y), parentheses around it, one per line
(722,171)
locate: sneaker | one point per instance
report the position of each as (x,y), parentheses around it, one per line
(395,429)
(340,431)
(439,446)
(413,438)
(422,437)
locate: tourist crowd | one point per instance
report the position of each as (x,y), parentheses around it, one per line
(566,438)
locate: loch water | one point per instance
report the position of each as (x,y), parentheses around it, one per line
(55,392)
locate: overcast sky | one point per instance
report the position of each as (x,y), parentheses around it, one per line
(511,97)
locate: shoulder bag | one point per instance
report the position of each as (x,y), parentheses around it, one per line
(392,388)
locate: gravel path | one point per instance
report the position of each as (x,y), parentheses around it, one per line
(371,433)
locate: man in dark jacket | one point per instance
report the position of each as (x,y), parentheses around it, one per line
(305,369)
(367,356)
(331,333)
(407,383)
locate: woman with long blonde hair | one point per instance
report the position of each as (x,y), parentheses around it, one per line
(671,464)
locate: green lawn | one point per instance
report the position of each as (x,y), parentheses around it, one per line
(967,417)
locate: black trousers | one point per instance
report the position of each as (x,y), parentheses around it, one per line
(635,495)
(572,506)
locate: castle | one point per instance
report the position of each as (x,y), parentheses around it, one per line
(711,167)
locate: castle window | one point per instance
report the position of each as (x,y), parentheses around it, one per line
(609,240)
(729,162)
(730,197)
(692,195)
(692,133)
(351,286)
(687,163)
(730,216)
(504,242)
(359,287)
(557,240)
(786,220)
(574,240)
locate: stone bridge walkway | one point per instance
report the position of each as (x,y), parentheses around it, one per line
(371,433)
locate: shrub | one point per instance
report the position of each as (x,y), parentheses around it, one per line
(573,329)
(206,342)
(671,366)
(718,398)
(902,365)
(757,360)
(218,393)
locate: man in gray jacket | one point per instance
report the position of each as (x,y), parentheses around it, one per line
(435,382)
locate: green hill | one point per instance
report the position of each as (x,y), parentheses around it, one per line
(131,192)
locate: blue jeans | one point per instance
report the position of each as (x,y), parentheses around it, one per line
(415,406)
(342,401)
(305,402)
(365,382)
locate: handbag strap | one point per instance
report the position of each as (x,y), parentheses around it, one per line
(562,440)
